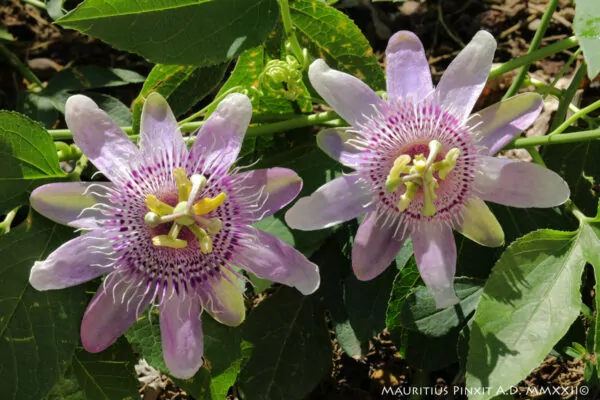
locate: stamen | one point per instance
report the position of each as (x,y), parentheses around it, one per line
(393,180)
(184,185)
(407,197)
(168,241)
(205,206)
(157,206)
(447,164)
(213,225)
(203,238)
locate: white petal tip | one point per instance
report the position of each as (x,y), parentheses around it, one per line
(404,39)
(445,298)
(185,373)
(311,281)
(36,277)
(79,103)
(485,38)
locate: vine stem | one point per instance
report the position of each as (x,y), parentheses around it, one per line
(535,43)
(36,3)
(288,26)
(581,113)
(328,118)
(533,56)
(574,137)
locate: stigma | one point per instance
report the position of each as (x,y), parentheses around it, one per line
(419,173)
(186,214)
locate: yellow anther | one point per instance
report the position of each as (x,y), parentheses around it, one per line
(213,225)
(157,206)
(168,241)
(434,149)
(393,180)
(184,185)
(205,206)
(203,239)
(447,164)
(407,197)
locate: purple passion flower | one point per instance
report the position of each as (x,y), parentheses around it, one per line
(423,166)
(168,227)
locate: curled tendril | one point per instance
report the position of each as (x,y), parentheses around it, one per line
(287,73)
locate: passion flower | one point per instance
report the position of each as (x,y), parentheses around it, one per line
(423,165)
(168,227)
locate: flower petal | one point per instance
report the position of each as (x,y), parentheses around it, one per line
(337,201)
(220,139)
(65,202)
(375,247)
(463,81)
(181,335)
(278,187)
(76,261)
(270,258)
(222,297)
(114,308)
(159,129)
(99,138)
(497,125)
(340,144)
(519,184)
(408,73)
(351,98)
(479,224)
(435,254)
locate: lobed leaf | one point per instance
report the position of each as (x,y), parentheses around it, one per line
(183,32)
(39,330)
(28,159)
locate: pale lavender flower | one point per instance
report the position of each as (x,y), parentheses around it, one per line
(423,165)
(168,227)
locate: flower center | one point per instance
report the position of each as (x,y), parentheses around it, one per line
(185,213)
(418,172)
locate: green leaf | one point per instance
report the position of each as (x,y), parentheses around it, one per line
(577,164)
(28,159)
(587,29)
(404,282)
(529,302)
(39,330)
(38,108)
(144,337)
(184,32)
(55,8)
(183,87)
(330,34)
(107,375)
(431,353)
(419,312)
(292,351)
(66,388)
(90,77)
(590,233)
